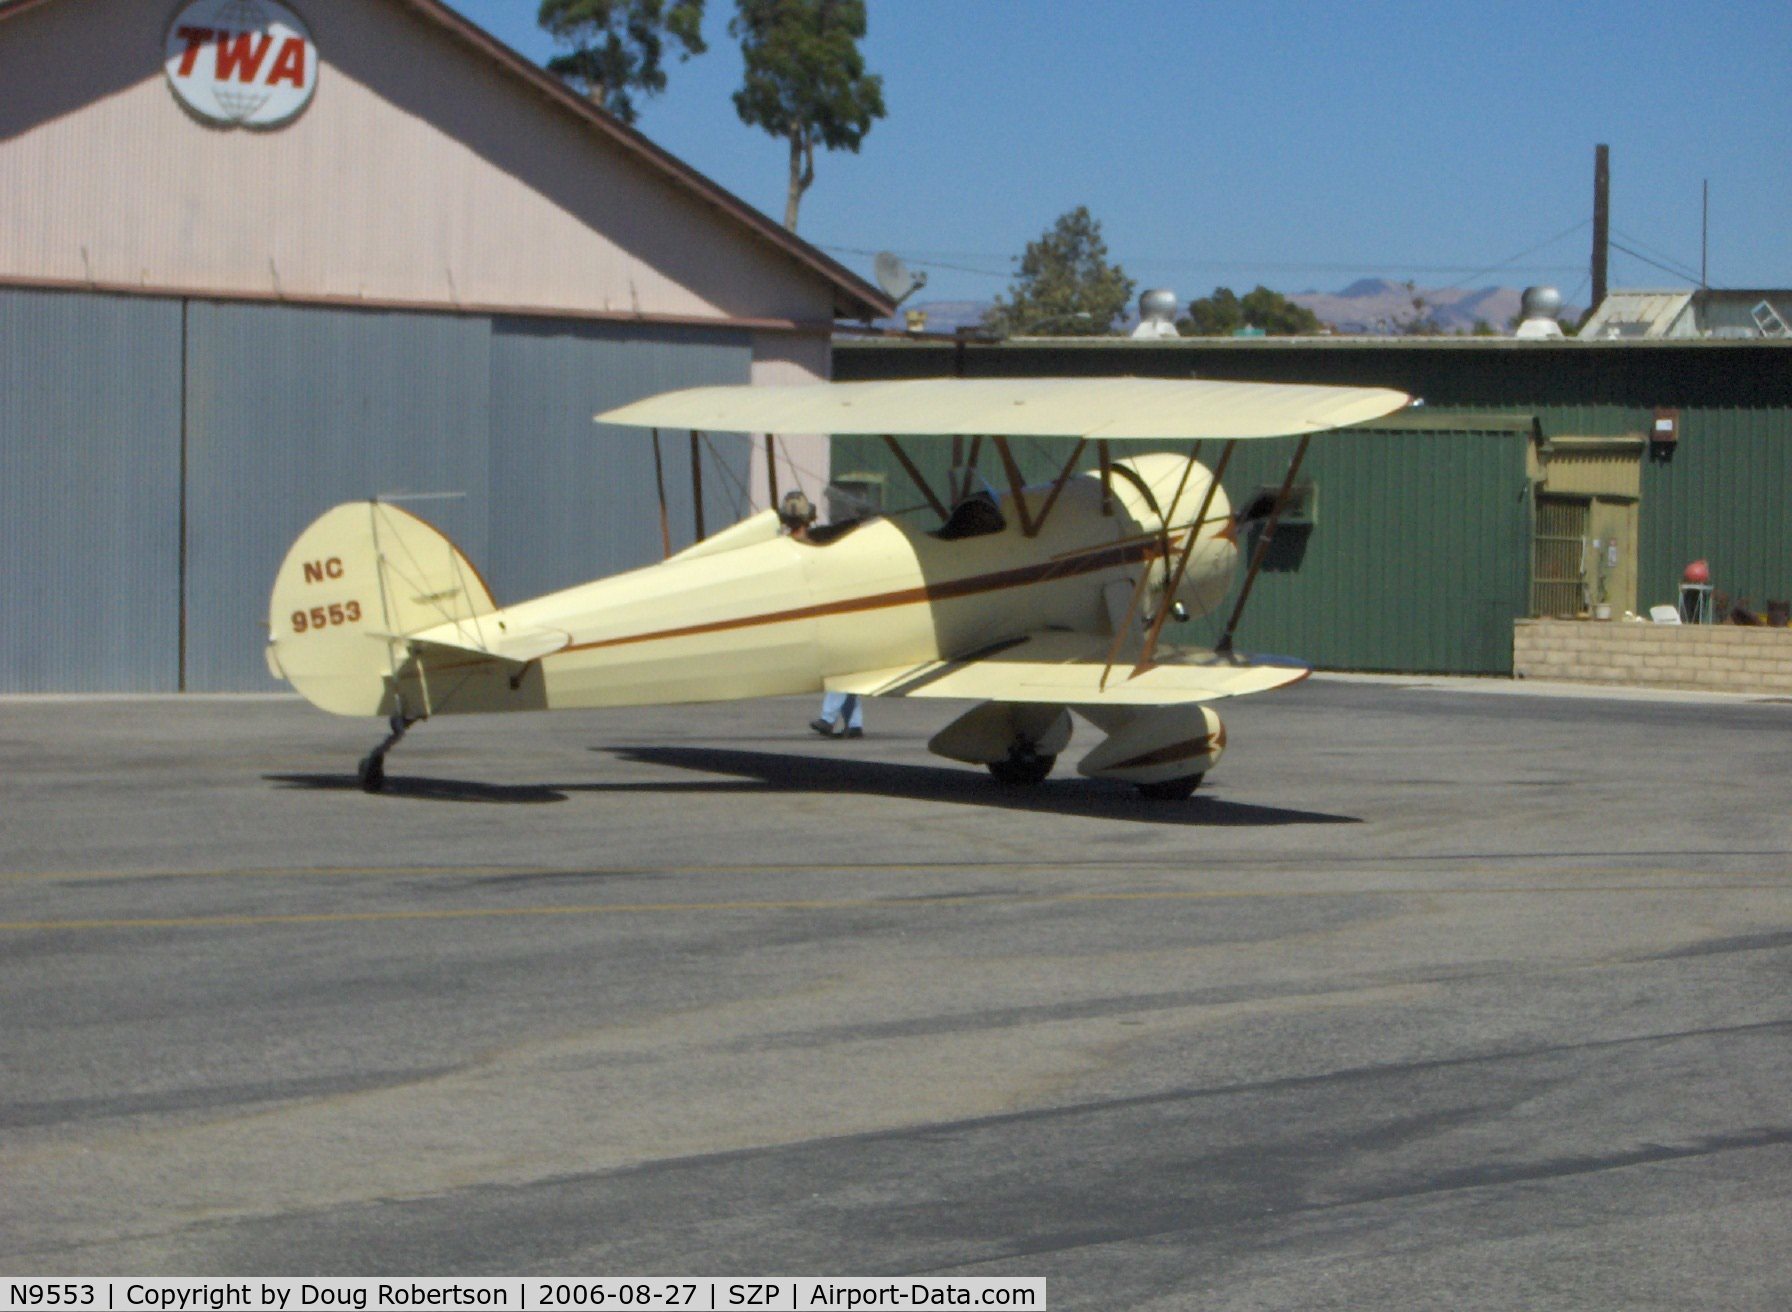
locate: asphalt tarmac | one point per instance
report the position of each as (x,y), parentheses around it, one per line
(1432,997)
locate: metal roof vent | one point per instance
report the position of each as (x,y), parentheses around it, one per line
(1537,311)
(1157,314)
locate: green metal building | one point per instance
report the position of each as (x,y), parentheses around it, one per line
(1420,541)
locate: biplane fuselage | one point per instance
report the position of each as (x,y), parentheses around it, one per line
(757,613)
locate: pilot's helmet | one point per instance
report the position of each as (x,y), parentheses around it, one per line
(796,510)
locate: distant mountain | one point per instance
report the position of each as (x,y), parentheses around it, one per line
(1382,306)
(1370,306)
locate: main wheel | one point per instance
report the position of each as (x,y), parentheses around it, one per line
(1172,790)
(1022,765)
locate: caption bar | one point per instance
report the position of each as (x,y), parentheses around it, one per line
(679,1293)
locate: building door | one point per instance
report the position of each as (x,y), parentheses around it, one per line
(1583,554)
(1611,526)
(1560,548)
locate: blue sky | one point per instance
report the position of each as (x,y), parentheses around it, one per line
(1300,145)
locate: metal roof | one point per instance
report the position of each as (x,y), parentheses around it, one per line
(1648,314)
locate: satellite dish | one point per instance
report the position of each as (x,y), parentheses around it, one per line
(896,278)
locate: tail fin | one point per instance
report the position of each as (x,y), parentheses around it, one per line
(356,582)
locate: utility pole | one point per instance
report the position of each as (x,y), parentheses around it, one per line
(1602,186)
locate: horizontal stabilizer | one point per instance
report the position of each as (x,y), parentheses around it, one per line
(1069,669)
(511,646)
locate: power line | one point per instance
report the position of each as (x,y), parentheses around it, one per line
(1653,263)
(1569,231)
(1280,266)
(1685,269)
(925,263)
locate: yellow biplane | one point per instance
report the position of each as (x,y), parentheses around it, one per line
(1033,602)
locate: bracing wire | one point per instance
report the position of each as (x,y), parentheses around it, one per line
(1684,267)
(1654,264)
(742,497)
(1569,231)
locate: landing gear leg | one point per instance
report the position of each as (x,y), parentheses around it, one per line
(371,773)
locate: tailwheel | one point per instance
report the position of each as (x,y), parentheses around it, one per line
(371,773)
(1022,765)
(1172,790)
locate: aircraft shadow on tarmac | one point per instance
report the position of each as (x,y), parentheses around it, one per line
(785,772)
(1060,795)
(424,789)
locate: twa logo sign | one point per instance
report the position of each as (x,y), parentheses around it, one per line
(241,62)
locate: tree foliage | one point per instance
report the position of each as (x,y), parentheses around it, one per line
(1065,286)
(615,47)
(1225,312)
(805,80)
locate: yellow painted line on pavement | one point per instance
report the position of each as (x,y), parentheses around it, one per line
(837,904)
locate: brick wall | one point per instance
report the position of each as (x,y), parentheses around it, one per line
(1712,657)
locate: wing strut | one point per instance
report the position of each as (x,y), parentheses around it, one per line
(697,484)
(1107,477)
(1051,498)
(1224,645)
(908,467)
(659,481)
(1188,550)
(771,472)
(1125,625)
(963,489)
(1016,485)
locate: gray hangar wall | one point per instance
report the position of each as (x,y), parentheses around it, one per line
(158,455)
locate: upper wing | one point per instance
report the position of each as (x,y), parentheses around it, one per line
(1155,409)
(1068,669)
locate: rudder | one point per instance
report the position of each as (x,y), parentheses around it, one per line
(355,583)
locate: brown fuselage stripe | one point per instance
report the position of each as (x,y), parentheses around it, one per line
(1106,558)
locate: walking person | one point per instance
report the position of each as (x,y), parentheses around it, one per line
(842,715)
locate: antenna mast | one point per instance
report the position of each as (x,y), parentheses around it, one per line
(1602,186)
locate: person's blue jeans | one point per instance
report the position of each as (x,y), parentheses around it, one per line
(838,704)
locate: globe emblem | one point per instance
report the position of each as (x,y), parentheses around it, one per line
(237,17)
(239,103)
(241,16)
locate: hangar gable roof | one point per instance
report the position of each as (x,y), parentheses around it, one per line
(851,296)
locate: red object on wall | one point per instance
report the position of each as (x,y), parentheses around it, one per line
(1697,572)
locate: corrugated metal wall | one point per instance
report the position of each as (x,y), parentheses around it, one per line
(1421,557)
(288,410)
(570,501)
(291,410)
(1421,570)
(89,493)
(1724,495)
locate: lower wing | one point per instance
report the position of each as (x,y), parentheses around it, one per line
(1071,669)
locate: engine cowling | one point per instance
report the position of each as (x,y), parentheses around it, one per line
(1162,489)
